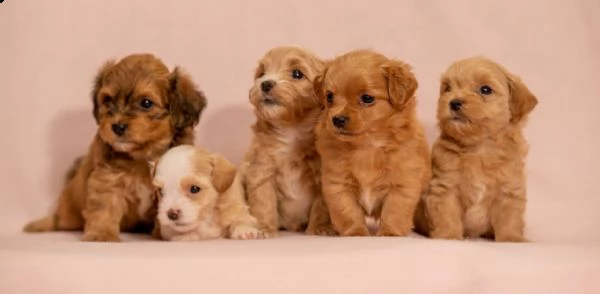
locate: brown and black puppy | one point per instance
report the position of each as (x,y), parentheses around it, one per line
(141,110)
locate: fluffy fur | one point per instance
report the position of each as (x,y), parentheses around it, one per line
(200,197)
(478,186)
(374,154)
(141,110)
(280,171)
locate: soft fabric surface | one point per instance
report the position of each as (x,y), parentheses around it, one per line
(295,264)
(50,51)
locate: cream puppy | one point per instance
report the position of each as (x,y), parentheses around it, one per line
(281,170)
(200,197)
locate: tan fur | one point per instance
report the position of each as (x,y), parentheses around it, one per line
(109,189)
(378,163)
(221,208)
(280,171)
(479,186)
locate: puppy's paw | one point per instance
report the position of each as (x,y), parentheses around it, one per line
(446,235)
(269,234)
(361,231)
(511,238)
(391,233)
(324,230)
(100,237)
(42,225)
(246,232)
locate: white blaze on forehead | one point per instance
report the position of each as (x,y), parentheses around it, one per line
(175,164)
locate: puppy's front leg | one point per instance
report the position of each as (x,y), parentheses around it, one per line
(319,222)
(442,207)
(347,216)
(103,213)
(262,199)
(398,211)
(507,216)
(104,208)
(235,214)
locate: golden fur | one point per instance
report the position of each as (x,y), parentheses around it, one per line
(377,163)
(216,208)
(479,186)
(141,110)
(280,171)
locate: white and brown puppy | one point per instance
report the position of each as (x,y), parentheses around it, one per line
(200,197)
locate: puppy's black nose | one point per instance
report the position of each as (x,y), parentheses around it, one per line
(266,86)
(119,129)
(173,214)
(340,121)
(456,104)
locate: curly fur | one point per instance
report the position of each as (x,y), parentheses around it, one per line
(109,189)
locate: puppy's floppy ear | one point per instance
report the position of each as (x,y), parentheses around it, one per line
(259,71)
(401,83)
(522,101)
(223,173)
(186,101)
(98,81)
(318,87)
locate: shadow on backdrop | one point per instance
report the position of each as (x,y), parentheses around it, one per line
(228,132)
(70,135)
(431,131)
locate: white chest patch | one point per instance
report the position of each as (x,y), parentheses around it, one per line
(479,194)
(476,217)
(297,196)
(293,186)
(289,137)
(366,201)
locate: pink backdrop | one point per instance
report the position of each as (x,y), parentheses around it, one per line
(50,51)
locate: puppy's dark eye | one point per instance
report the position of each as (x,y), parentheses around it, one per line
(146,103)
(194,189)
(367,99)
(329,98)
(485,90)
(297,74)
(446,88)
(106,100)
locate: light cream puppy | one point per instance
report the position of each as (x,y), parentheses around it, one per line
(200,197)
(281,167)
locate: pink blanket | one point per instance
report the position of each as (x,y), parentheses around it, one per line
(50,51)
